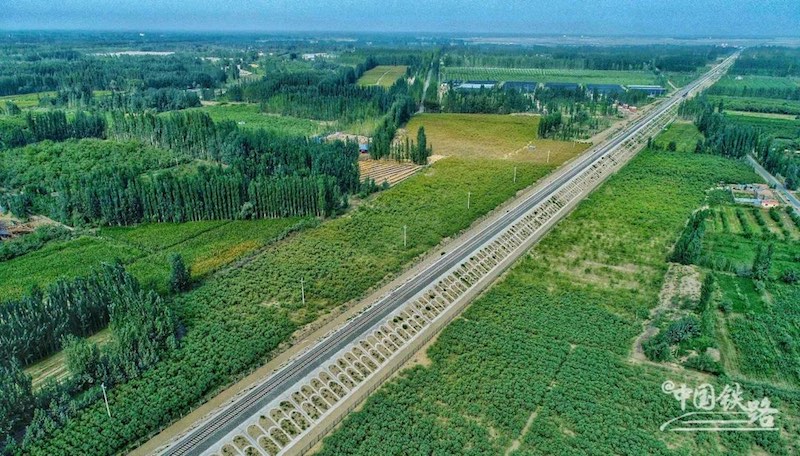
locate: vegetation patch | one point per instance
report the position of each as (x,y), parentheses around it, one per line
(229,327)
(382,75)
(249,116)
(492,136)
(549,75)
(680,137)
(626,227)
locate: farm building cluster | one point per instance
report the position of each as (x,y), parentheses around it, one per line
(10,229)
(758,195)
(363,141)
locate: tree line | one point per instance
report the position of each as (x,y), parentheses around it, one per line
(252,174)
(121,197)
(783,93)
(647,57)
(689,247)
(487,101)
(54,126)
(768,61)
(137,100)
(143,329)
(127,73)
(722,136)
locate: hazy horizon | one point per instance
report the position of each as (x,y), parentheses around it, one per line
(679,18)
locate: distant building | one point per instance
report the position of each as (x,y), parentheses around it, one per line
(748,201)
(4,233)
(521,86)
(476,85)
(316,55)
(604,89)
(562,85)
(651,90)
(768,203)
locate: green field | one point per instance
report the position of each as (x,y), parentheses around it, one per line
(31,100)
(382,75)
(759,334)
(205,246)
(540,363)
(779,128)
(236,319)
(46,162)
(754,104)
(491,136)
(28,100)
(549,75)
(684,134)
(59,259)
(249,116)
(751,82)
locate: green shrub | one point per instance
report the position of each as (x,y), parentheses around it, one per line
(703,362)
(657,349)
(790,276)
(683,329)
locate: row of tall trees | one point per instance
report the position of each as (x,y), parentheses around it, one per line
(124,198)
(159,100)
(723,136)
(384,133)
(256,153)
(326,94)
(488,101)
(32,327)
(647,57)
(726,137)
(690,244)
(52,125)
(781,159)
(408,150)
(768,61)
(783,93)
(253,173)
(143,328)
(549,124)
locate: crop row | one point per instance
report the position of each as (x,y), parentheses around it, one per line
(237,319)
(584,397)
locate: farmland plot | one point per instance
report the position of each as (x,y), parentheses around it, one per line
(237,319)
(548,75)
(579,299)
(382,75)
(493,136)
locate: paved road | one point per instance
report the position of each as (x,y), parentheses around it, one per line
(218,426)
(784,192)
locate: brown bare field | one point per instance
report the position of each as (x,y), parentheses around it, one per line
(386,170)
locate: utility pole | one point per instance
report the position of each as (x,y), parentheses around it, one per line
(515,174)
(108,410)
(405,237)
(303,290)
(468,196)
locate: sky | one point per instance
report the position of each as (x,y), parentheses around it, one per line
(691,18)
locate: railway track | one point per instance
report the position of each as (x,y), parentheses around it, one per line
(415,304)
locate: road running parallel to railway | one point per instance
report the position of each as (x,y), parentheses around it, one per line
(292,408)
(781,189)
